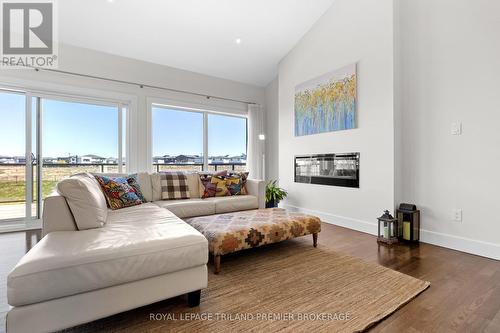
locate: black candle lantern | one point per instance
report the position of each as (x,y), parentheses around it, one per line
(388,230)
(409,222)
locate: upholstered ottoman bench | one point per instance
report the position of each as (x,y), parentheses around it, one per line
(232,232)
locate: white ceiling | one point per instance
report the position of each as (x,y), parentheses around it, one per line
(196,35)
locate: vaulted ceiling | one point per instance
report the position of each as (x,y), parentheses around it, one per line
(240,40)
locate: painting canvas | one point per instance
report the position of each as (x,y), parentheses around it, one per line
(326,103)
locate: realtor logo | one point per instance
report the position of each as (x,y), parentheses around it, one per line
(28,34)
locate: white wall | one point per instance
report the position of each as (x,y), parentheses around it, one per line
(271,129)
(350,31)
(421,66)
(450,70)
(91,62)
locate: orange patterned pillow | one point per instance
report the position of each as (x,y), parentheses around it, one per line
(220,183)
(209,189)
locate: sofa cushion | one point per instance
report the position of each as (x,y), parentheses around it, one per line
(188,207)
(136,243)
(193,179)
(144,180)
(118,192)
(85,199)
(156,186)
(234,203)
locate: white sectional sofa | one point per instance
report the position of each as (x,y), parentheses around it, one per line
(142,254)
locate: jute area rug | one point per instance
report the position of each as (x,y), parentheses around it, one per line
(289,286)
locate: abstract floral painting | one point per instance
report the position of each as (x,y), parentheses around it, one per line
(326,103)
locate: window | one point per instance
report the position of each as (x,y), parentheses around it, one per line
(227,142)
(177,139)
(197,140)
(48,139)
(78,137)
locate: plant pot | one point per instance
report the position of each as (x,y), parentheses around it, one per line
(271,204)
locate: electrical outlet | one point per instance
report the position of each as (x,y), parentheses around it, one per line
(456,128)
(457,215)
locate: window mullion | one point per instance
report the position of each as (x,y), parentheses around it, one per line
(205,141)
(29,161)
(39,156)
(120,138)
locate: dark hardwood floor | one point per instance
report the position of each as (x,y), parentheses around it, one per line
(464,295)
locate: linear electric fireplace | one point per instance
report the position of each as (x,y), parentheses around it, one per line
(328,169)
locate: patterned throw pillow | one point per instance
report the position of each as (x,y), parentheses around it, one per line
(237,183)
(174,185)
(209,189)
(118,192)
(134,183)
(220,183)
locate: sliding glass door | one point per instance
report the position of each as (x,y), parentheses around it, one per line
(44,139)
(13,177)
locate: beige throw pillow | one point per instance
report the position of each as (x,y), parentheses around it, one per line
(156,186)
(193,179)
(144,180)
(85,199)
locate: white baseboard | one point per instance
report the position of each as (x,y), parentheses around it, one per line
(347,222)
(473,246)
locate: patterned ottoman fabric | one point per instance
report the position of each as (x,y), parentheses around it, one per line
(237,231)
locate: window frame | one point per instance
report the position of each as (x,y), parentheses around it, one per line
(158,103)
(32,90)
(120,109)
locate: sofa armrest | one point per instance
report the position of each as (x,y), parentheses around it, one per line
(257,187)
(57,215)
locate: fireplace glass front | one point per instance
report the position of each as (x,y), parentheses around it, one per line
(328,169)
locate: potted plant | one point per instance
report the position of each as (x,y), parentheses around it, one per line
(274,194)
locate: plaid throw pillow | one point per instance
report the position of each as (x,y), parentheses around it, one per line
(174,185)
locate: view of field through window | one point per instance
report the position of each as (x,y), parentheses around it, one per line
(75,137)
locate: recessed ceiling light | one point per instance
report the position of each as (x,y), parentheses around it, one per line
(238,40)
(110,1)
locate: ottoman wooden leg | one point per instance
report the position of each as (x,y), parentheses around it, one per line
(217,264)
(315,239)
